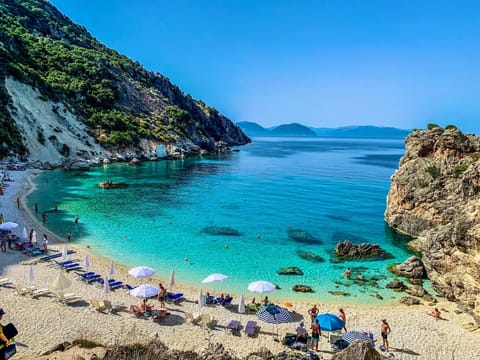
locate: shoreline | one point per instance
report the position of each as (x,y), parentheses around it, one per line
(47,323)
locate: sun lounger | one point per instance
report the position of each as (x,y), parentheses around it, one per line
(207,320)
(55,256)
(4,281)
(72,266)
(111,308)
(115,285)
(234,326)
(194,318)
(97,305)
(20,290)
(67,299)
(129,287)
(251,328)
(174,297)
(40,292)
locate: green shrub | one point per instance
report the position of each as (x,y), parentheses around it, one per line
(450,127)
(431,126)
(460,169)
(434,171)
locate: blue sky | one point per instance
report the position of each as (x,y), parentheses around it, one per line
(321,63)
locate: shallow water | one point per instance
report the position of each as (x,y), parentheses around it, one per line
(233,214)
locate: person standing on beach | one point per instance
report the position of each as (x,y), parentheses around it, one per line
(18,202)
(30,236)
(313,312)
(385,332)
(45,243)
(316,333)
(162,295)
(69,237)
(343,318)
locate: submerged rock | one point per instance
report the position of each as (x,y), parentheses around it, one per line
(303,237)
(292,270)
(302,288)
(309,256)
(346,250)
(338,293)
(112,185)
(221,231)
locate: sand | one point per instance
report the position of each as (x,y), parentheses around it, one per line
(44,322)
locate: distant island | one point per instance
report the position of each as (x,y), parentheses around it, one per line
(253,129)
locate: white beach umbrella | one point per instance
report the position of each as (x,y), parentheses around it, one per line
(241,304)
(145,291)
(141,272)
(24,234)
(61,282)
(34,237)
(261,286)
(86,262)
(213,278)
(65,251)
(200,300)
(111,270)
(106,286)
(172,280)
(8,226)
(30,276)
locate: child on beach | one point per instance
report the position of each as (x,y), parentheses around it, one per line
(45,243)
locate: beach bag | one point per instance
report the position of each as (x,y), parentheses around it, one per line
(10,331)
(8,352)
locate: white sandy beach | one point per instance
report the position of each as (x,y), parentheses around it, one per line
(43,323)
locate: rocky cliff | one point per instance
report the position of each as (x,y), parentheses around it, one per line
(435,197)
(64,95)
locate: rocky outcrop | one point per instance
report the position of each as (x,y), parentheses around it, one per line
(346,250)
(302,288)
(358,350)
(292,270)
(408,300)
(302,236)
(435,197)
(396,285)
(410,268)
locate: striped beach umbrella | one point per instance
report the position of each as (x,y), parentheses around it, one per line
(351,336)
(274,314)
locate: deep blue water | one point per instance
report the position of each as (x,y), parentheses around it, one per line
(332,189)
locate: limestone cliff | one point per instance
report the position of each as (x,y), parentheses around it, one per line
(435,197)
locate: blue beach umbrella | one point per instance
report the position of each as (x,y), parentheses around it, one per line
(351,336)
(330,322)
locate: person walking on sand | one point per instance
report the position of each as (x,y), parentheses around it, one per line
(30,236)
(385,331)
(45,243)
(316,333)
(343,318)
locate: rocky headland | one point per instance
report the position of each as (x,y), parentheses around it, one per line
(435,198)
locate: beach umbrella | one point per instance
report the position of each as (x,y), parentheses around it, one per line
(200,300)
(106,286)
(330,322)
(261,286)
(241,304)
(34,237)
(86,262)
(7,226)
(214,278)
(30,276)
(145,291)
(274,314)
(141,272)
(171,282)
(61,282)
(24,234)
(64,251)
(111,270)
(351,336)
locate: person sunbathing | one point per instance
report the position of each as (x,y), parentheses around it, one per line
(145,307)
(435,313)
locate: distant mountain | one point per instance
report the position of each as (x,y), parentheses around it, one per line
(363,132)
(253,129)
(293,129)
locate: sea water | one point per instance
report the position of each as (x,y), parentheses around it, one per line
(235,214)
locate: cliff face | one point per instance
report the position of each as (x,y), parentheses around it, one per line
(110,103)
(435,197)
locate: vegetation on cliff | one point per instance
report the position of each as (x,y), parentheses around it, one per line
(117,98)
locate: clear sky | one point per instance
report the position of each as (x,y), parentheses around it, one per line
(320,63)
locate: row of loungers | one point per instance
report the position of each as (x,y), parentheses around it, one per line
(91,277)
(55,256)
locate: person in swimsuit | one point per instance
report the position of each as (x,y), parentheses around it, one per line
(385,331)
(316,332)
(313,312)
(162,295)
(343,318)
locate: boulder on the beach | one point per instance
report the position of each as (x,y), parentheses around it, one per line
(302,288)
(411,268)
(346,250)
(221,231)
(409,300)
(358,350)
(396,285)
(338,293)
(415,281)
(292,270)
(309,256)
(302,236)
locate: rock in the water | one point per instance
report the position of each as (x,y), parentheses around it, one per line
(415,281)
(302,288)
(339,293)
(408,300)
(358,350)
(310,256)
(346,250)
(221,231)
(396,285)
(303,237)
(292,270)
(434,197)
(112,185)
(410,268)
(378,296)
(416,290)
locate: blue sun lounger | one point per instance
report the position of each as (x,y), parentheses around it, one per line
(174,297)
(251,328)
(55,256)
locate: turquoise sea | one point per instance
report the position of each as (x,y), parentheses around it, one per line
(333,189)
